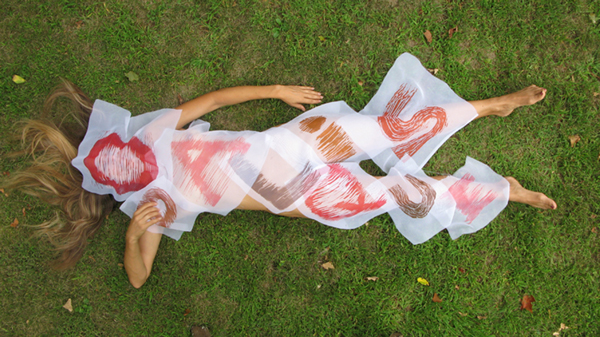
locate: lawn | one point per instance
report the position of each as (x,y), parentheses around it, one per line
(257,274)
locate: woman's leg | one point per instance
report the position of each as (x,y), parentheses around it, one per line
(504,105)
(520,194)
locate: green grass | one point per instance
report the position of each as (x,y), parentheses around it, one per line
(255,274)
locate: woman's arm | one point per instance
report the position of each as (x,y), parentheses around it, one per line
(140,245)
(292,95)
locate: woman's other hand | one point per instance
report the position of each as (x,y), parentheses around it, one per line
(298,95)
(145,216)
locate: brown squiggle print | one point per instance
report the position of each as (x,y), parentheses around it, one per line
(335,144)
(312,124)
(398,130)
(413,209)
(283,196)
(155,194)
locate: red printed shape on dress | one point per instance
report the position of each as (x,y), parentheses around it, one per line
(125,166)
(405,131)
(340,195)
(200,160)
(159,195)
(471,197)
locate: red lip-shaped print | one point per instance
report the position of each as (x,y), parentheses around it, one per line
(125,166)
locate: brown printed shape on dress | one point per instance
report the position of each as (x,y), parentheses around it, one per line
(410,208)
(399,131)
(283,196)
(335,144)
(154,195)
(312,124)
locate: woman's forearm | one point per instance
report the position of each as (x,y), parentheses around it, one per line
(211,101)
(134,264)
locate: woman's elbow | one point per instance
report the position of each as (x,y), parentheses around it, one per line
(137,284)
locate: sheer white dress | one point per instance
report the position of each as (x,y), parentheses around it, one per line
(310,163)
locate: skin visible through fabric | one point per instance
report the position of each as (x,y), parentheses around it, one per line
(340,195)
(199,162)
(410,208)
(398,130)
(471,197)
(283,196)
(159,195)
(125,166)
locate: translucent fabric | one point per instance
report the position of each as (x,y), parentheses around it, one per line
(310,164)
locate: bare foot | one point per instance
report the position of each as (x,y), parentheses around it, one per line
(528,96)
(519,194)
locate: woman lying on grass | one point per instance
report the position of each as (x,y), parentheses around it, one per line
(166,175)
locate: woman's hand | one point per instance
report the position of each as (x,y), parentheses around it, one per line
(297,95)
(145,216)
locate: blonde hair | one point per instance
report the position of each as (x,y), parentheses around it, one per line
(52,178)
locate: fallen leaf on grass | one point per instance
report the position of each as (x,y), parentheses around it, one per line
(186,312)
(596,94)
(23,211)
(436,298)
(132,76)
(595,230)
(360,83)
(14,223)
(562,327)
(462,314)
(526,303)
(422,281)
(18,79)
(428,36)
(68,305)
(327,265)
(481,317)
(574,139)
(456,287)
(372,278)
(78,24)
(452,31)
(461,270)
(180,99)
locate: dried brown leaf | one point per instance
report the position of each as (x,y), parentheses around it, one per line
(180,99)
(461,270)
(372,278)
(78,24)
(23,211)
(428,36)
(186,312)
(596,94)
(15,223)
(68,305)
(452,31)
(595,230)
(526,303)
(481,317)
(436,298)
(456,287)
(360,83)
(327,265)
(462,314)
(574,139)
